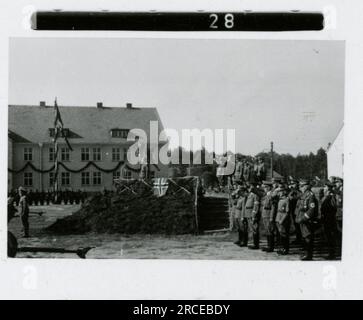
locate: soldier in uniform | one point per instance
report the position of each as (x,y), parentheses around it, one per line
(24,211)
(268,216)
(246,171)
(328,210)
(306,217)
(238,173)
(283,220)
(276,184)
(339,201)
(260,170)
(294,204)
(240,221)
(221,168)
(251,213)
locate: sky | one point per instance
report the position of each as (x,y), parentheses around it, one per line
(288,92)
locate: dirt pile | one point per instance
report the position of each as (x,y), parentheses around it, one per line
(134,209)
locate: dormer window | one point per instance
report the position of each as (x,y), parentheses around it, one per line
(65,132)
(119,133)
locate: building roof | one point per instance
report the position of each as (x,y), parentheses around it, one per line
(86,124)
(16,138)
(338,135)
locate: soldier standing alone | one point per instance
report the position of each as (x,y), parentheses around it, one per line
(24,211)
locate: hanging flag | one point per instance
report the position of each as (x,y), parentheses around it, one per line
(58,118)
(58,126)
(68,144)
(160,186)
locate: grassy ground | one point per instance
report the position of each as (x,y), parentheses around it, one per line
(114,246)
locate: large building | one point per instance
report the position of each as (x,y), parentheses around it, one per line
(98,137)
(335,155)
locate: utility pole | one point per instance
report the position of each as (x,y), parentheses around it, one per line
(272,160)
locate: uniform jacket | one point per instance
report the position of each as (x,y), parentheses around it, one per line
(294,197)
(239,209)
(246,172)
(267,207)
(233,201)
(238,173)
(252,206)
(308,208)
(282,210)
(23,206)
(339,198)
(328,208)
(260,171)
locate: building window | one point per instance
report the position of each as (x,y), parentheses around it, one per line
(65,154)
(116,154)
(28,154)
(119,133)
(126,174)
(51,178)
(96,154)
(96,178)
(125,154)
(66,178)
(85,180)
(84,154)
(28,179)
(51,154)
(116,175)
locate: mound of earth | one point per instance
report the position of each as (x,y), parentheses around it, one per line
(136,211)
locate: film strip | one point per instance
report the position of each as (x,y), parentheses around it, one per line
(178,21)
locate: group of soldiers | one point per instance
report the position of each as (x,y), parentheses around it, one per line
(49,197)
(249,171)
(282,204)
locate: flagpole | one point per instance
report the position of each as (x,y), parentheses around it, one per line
(55,182)
(55,139)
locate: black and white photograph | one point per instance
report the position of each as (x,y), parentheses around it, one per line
(152,148)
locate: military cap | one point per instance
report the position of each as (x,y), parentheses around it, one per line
(329,184)
(304,182)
